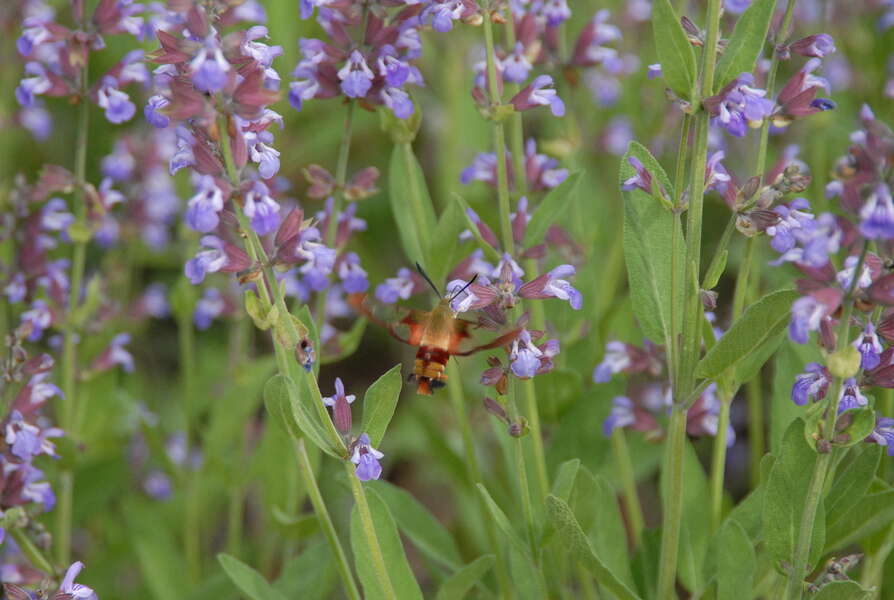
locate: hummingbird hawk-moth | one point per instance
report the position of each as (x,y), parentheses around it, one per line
(438,334)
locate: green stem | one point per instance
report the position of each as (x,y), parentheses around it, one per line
(369,532)
(756,436)
(673,502)
(516,127)
(499,136)
(873,572)
(316,499)
(473,473)
(525,492)
(34,555)
(341,176)
(630,496)
(69,344)
(691,327)
(821,468)
(718,460)
(191,527)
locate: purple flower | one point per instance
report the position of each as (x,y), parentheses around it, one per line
(869,347)
(115,354)
(538,93)
(516,67)
(26,440)
(209,67)
(54,215)
(356,77)
(653,71)
(616,359)
(716,175)
(116,103)
(739,106)
(817,45)
(152,111)
(524,358)
(157,485)
(791,217)
(37,120)
(395,71)
(203,208)
(812,384)
(119,165)
(553,285)
(398,101)
(16,289)
(262,153)
(807,314)
(642,180)
(29,87)
(877,215)
(76,590)
(396,288)
(621,415)
(850,396)
(341,410)
(210,306)
(34,33)
(883,434)
(367,459)
(352,275)
(442,13)
(39,317)
(320,259)
(483,168)
(261,209)
(210,259)
(846,276)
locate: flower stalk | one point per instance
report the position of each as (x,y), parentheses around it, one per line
(369,532)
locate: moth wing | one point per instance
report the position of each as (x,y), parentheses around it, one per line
(404,324)
(14,592)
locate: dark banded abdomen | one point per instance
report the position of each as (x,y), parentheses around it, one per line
(429,369)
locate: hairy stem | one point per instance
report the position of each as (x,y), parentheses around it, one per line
(369,532)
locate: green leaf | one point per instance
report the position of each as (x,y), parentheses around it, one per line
(747,513)
(444,242)
(648,249)
(564,481)
(675,51)
(852,479)
(784,499)
(288,404)
(746,43)
(862,424)
(410,202)
(248,580)
(842,590)
(458,584)
(874,512)
(575,540)
(502,522)
(299,527)
(379,403)
(749,337)
(554,205)
(595,506)
(309,576)
(736,561)
(405,585)
(419,525)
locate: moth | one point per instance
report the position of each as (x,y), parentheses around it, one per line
(14,592)
(438,334)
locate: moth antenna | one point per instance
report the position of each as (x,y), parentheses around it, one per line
(463,289)
(427,279)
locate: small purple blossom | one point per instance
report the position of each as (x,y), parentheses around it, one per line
(869,347)
(524,358)
(539,93)
(367,459)
(76,591)
(261,209)
(883,434)
(202,211)
(210,259)
(396,288)
(812,384)
(621,415)
(807,314)
(740,105)
(356,77)
(877,215)
(817,45)
(850,396)
(210,306)
(616,359)
(117,104)
(352,275)
(341,409)
(209,67)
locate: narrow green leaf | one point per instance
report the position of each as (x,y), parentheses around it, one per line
(648,249)
(862,424)
(443,242)
(852,479)
(784,499)
(874,512)
(299,527)
(746,43)
(309,576)
(502,522)
(736,561)
(842,590)
(747,513)
(749,336)
(248,580)
(717,269)
(564,481)
(405,585)
(379,403)
(554,205)
(288,404)
(410,202)
(577,543)
(419,525)
(676,55)
(596,508)
(458,584)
